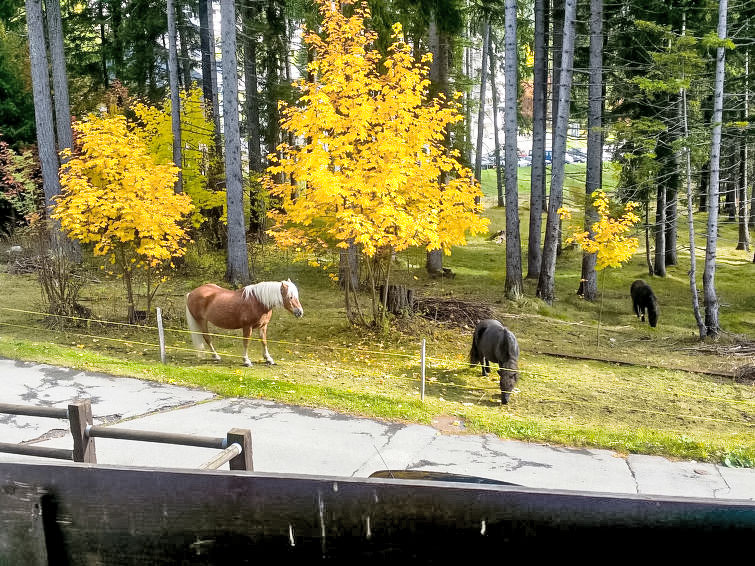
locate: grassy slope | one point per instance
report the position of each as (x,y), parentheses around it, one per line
(323,362)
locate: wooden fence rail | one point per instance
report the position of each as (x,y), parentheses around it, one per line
(79,415)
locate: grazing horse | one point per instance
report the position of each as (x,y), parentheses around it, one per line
(248,308)
(493,342)
(643,299)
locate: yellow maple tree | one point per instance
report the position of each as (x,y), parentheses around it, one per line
(370,150)
(117,199)
(610,239)
(156,130)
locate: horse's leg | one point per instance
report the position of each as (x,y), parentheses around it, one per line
(208,339)
(485,367)
(265,353)
(247,335)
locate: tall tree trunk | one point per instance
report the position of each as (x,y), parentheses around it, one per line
(43,115)
(175,100)
(271,42)
(539,112)
(204,50)
(513,243)
(439,42)
(481,109)
(59,76)
(709,274)
(557,48)
(237,265)
(703,190)
(659,264)
(183,35)
(558,39)
(103,45)
(589,279)
(743,242)
(116,25)
(751,220)
(493,59)
(690,221)
(546,282)
(209,68)
(672,187)
(250,81)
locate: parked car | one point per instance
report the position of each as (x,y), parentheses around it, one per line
(524,161)
(576,155)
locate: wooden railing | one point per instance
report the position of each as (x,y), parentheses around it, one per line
(236,447)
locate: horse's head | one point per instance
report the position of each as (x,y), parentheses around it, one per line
(653,312)
(509,377)
(290,295)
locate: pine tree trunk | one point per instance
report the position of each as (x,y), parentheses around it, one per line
(546,282)
(481,109)
(691,223)
(250,81)
(209,69)
(175,100)
(43,115)
(183,35)
(589,279)
(557,49)
(672,185)
(237,266)
(659,263)
(496,140)
(272,78)
(103,45)
(439,79)
(540,105)
(59,76)
(709,272)
(116,24)
(513,285)
(743,242)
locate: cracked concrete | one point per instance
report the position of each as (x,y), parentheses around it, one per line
(305,440)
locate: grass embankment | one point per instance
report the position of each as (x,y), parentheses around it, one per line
(661,404)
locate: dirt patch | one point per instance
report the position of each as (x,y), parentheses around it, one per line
(453,311)
(449,424)
(745,374)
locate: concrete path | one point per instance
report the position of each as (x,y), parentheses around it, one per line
(290,439)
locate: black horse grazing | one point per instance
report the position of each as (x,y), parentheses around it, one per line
(493,342)
(644,299)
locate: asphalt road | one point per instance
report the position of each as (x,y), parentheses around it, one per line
(291,439)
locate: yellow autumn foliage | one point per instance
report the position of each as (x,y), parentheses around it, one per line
(610,239)
(370,149)
(117,198)
(156,131)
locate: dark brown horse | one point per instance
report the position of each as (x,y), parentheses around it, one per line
(248,308)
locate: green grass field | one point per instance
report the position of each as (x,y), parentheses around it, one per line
(627,387)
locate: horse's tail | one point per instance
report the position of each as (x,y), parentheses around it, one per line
(474,353)
(196,330)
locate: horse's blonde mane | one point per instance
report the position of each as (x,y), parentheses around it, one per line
(269,293)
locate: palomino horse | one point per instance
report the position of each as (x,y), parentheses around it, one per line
(248,308)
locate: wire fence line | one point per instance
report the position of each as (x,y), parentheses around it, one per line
(443,364)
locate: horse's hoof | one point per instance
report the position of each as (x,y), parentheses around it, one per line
(247,364)
(270,362)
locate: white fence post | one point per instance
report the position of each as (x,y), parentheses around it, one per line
(161,333)
(422,363)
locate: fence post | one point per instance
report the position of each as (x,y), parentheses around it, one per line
(79,416)
(422,363)
(161,334)
(242,437)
